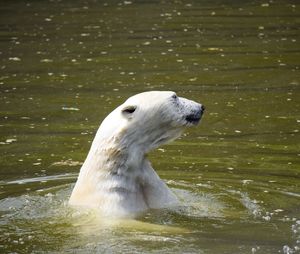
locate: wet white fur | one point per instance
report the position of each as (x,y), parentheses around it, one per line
(116,176)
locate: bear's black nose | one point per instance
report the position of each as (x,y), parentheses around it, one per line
(202,108)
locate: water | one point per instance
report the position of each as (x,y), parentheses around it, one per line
(64,65)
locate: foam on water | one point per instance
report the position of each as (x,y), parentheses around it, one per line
(46,210)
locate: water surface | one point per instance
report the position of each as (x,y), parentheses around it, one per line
(64,65)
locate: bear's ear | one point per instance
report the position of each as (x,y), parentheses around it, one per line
(128,109)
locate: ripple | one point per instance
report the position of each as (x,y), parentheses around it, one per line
(214,204)
(66,176)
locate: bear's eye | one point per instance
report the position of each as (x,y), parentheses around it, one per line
(129,109)
(174,96)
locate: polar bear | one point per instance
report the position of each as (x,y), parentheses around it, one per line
(116,176)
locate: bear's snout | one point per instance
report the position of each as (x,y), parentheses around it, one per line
(196,115)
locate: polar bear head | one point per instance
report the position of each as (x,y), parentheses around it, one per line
(116,175)
(149,119)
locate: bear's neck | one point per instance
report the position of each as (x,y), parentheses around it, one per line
(111,177)
(108,158)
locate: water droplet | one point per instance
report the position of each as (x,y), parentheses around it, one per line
(17,59)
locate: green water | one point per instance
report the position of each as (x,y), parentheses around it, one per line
(64,65)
